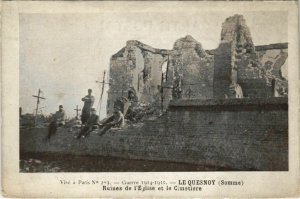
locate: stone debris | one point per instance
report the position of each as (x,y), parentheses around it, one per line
(140,113)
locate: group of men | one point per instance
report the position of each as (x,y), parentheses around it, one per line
(89,119)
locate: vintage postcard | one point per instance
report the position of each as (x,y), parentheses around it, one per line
(150,99)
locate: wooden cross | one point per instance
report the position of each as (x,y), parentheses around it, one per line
(37,104)
(77,110)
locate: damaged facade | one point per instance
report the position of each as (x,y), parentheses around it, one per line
(236,69)
(204,123)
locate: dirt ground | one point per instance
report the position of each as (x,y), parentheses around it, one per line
(33,162)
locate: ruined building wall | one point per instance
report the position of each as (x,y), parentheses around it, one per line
(255,72)
(222,71)
(136,67)
(193,69)
(151,77)
(260,74)
(273,59)
(116,74)
(236,69)
(189,70)
(235,41)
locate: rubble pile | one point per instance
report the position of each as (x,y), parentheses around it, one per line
(141,112)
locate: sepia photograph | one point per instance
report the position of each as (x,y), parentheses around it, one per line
(213,97)
(150,99)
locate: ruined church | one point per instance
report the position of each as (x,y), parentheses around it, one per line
(236,69)
(204,122)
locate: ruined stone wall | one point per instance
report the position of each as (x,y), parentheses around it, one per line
(235,42)
(222,71)
(117,74)
(251,77)
(139,67)
(236,69)
(151,77)
(255,72)
(273,59)
(136,67)
(242,134)
(263,74)
(193,68)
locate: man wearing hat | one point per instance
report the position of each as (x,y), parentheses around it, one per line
(58,120)
(88,104)
(91,124)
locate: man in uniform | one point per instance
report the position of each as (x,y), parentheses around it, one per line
(118,121)
(91,124)
(88,104)
(58,120)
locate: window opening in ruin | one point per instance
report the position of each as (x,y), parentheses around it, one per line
(164,72)
(273,85)
(164,69)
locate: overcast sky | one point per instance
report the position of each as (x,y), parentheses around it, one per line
(63,54)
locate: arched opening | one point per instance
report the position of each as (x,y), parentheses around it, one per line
(164,89)
(164,69)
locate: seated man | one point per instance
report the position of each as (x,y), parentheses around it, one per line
(122,104)
(118,121)
(58,120)
(91,124)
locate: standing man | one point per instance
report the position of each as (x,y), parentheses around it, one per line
(88,104)
(58,120)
